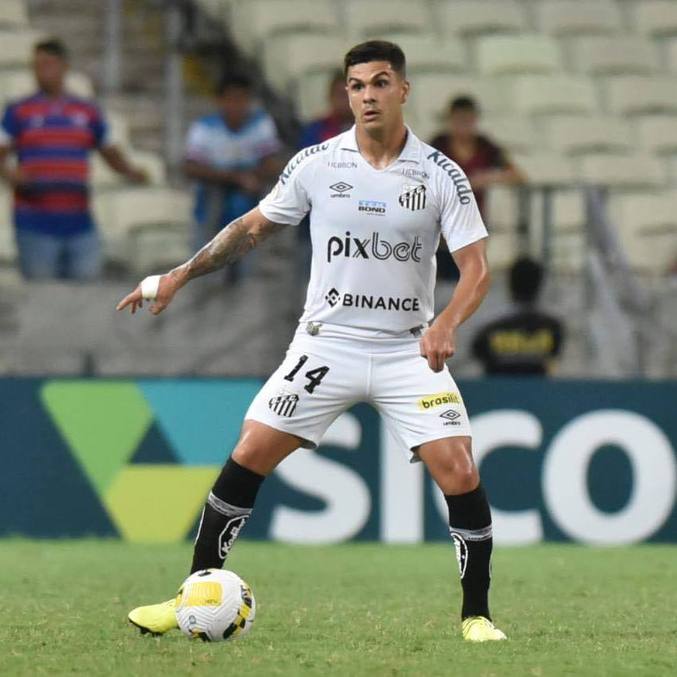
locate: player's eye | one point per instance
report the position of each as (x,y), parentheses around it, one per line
(356,86)
(382,83)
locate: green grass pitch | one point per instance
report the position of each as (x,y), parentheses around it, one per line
(365,609)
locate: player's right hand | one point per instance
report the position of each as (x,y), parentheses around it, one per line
(166,290)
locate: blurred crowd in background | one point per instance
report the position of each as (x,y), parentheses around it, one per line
(233,151)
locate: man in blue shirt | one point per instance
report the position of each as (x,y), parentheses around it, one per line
(231,154)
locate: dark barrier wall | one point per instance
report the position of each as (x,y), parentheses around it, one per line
(586,461)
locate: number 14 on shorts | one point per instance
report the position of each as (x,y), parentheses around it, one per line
(314,376)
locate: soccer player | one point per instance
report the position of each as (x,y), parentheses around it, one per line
(378,198)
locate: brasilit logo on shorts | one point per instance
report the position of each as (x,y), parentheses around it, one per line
(437,400)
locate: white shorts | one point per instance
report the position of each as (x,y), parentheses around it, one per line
(324,375)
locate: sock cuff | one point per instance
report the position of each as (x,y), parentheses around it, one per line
(224,508)
(472,535)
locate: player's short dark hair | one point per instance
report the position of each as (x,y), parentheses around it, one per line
(234,80)
(526,278)
(52,46)
(464,103)
(376,50)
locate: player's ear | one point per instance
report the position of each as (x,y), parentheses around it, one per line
(405,90)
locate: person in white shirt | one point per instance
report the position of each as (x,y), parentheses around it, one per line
(379,199)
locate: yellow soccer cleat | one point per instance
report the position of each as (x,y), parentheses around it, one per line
(155,618)
(480,629)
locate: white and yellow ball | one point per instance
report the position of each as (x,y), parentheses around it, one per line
(215,605)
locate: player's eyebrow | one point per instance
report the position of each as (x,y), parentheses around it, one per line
(373,77)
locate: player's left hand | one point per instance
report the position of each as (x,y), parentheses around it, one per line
(438,345)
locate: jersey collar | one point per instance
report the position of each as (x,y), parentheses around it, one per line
(410,153)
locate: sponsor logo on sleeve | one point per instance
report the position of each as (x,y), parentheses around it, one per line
(437,400)
(298,159)
(458,178)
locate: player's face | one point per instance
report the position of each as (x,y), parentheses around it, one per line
(49,70)
(376,93)
(235,104)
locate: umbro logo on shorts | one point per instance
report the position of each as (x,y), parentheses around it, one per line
(450,416)
(413,198)
(284,405)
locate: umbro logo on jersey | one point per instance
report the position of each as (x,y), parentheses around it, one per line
(284,405)
(413,198)
(340,189)
(374,246)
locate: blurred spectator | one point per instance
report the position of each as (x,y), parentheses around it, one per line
(525,341)
(338,119)
(231,154)
(484,163)
(52,133)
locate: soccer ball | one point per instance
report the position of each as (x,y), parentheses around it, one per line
(214,605)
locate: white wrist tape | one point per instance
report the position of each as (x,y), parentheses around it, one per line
(149,287)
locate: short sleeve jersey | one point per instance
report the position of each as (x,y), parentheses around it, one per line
(52,138)
(374,232)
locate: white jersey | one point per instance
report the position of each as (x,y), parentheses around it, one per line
(374,232)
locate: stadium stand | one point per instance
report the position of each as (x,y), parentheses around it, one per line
(579,92)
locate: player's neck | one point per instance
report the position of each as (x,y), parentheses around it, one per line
(381,147)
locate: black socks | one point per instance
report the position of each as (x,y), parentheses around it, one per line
(470,528)
(227,510)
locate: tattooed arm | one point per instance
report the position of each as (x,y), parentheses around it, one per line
(229,245)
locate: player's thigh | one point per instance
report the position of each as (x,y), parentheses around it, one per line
(308,391)
(418,404)
(450,463)
(39,255)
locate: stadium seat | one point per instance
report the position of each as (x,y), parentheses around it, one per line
(123,213)
(7,241)
(656,17)
(160,248)
(467,17)
(286,58)
(502,208)
(430,94)
(256,21)
(514,132)
(152,163)
(670,49)
(17,47)
(119,129)
(371,18)
(631,94)
(545,94)
(505,54)
(618,55)
(622,171)
(568,210)
(575,134)
(658,133)
(427,53)
(647,225)
(545,168)
(20,83)
(501,249)
(311,94)
(13,13)
(562,17)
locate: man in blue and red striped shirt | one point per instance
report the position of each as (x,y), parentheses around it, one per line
(52,134)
